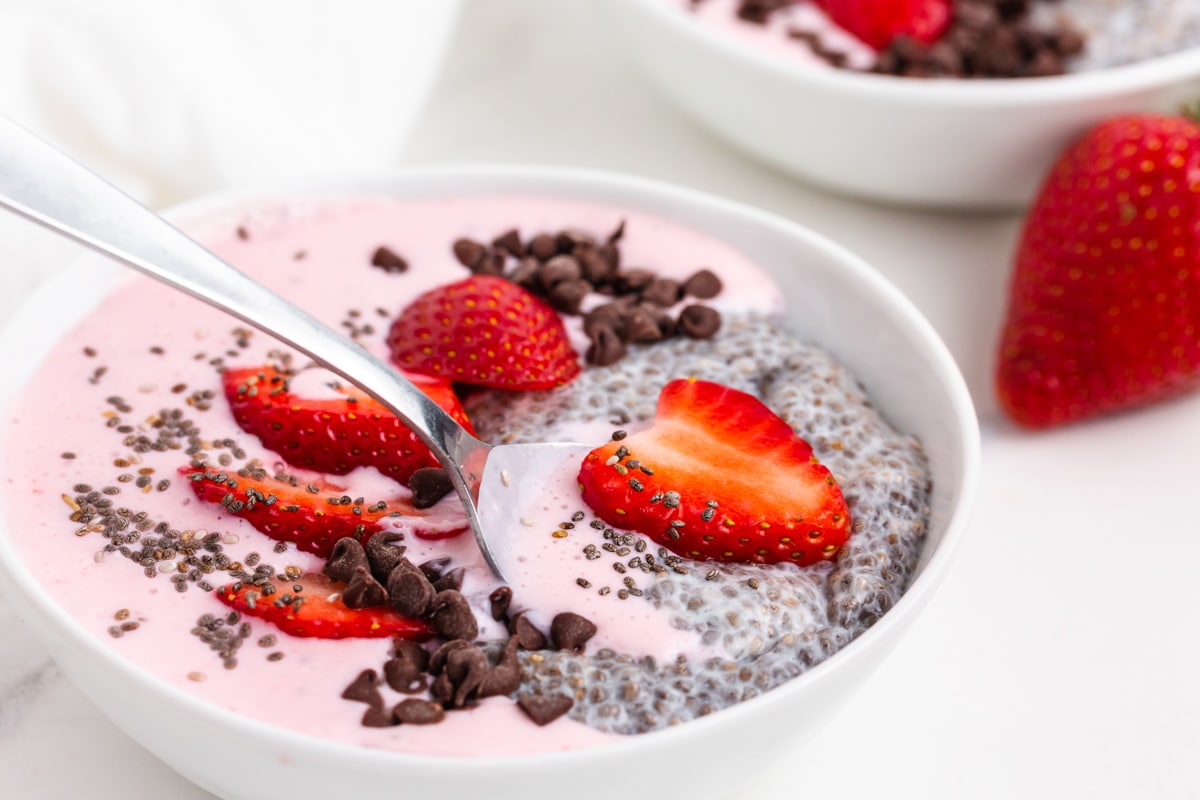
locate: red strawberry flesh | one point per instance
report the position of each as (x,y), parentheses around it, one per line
(878,22)
(316,611)
(720,477)
(313,516)
(333,435)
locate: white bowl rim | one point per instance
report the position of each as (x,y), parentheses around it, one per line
(528,178)
(970,93)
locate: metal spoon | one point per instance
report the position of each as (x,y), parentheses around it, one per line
(47,186)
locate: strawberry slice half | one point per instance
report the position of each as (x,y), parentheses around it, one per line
(316,611)
(878,22)
(335,434)
(718,477)
(486,331)
(313,515)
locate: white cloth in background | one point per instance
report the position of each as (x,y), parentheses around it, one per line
(173,99)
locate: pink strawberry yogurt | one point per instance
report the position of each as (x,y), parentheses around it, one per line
(133,391)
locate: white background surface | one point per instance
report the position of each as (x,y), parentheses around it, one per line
(1060,657)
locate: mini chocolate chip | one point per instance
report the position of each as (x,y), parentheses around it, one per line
(451,580)
(364,688)
(976,16)
(570,631)
(491,264)
(544,709)
(408,650)
(596,269)
(414,711)
(611,315)
(570,238)
(377,717)
(543,246)
(699,322)
(469,253)
(434,567)
(558,269)
(404,676)
(665,322)
(441,689)
(499,681)
(606,347)
(383,554)
(410,590)
(527,634)
(1069,42)
(527,274)
(612,256)
(500,599)
(347,555)
(510,240)
(1044,64)
(508,654)
(567,296)
(466,667)
(364,591)
(662,292)
(640,327)
(388,260)
(618,233)
(632,281)
(505,677)
(429,485)
(703,284)
(452,617)
(437,660)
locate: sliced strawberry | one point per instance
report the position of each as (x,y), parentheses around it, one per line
(333,435)
(485,331)
(316,611)
(313,516)
(878,22)
(720,477)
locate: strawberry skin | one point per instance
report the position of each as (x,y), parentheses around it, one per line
(310,612)
(718,477)
(334,435)
(1104,305)
(486,331)
(878,22)
(312,516)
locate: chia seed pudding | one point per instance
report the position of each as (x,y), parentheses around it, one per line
(985,38)
(640,638)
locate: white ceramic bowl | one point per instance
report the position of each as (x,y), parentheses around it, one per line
(835,299)
(947,143)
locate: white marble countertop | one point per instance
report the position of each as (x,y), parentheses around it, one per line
(1059,658)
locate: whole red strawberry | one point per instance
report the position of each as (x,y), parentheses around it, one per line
(486,331)
(718,477)
(1104,306)
(333,434)
(877,22)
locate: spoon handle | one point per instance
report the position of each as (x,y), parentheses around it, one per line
(47,186)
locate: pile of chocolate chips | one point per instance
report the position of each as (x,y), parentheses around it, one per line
(380,575)
(985,39)
(458,673)
(566,267)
